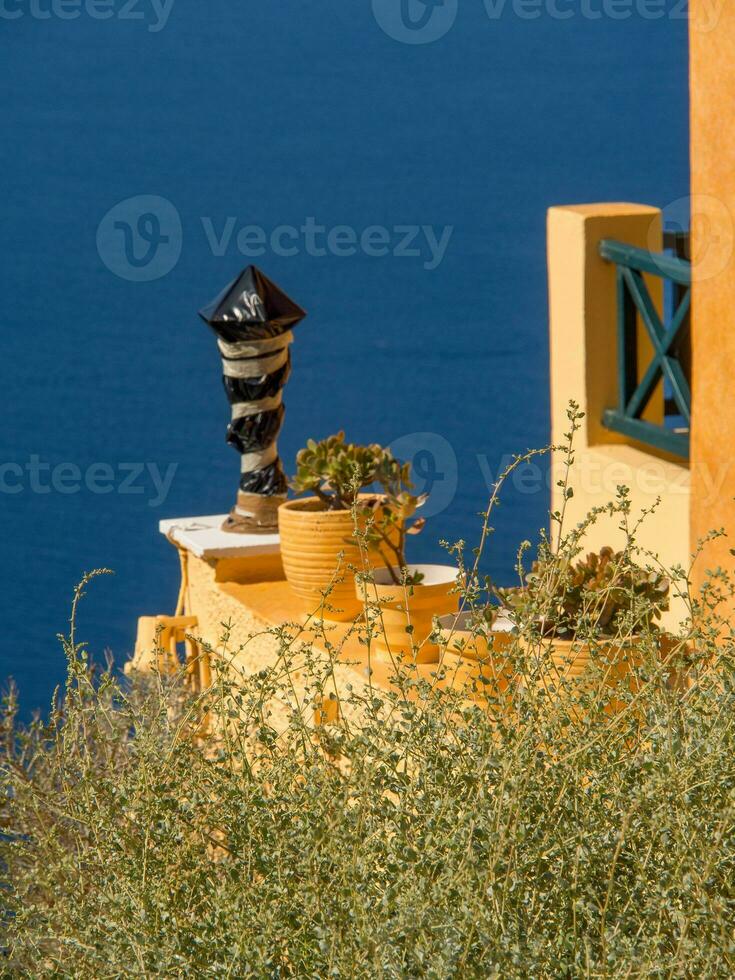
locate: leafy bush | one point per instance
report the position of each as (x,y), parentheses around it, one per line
(150,832)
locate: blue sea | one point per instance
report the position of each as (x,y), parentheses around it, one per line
(388,163)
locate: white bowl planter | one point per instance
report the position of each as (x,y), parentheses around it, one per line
(405,613)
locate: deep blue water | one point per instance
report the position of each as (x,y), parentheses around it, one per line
(273,114)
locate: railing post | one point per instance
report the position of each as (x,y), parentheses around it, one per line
(627,342)
(583,304)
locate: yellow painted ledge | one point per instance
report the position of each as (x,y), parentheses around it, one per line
(253,607)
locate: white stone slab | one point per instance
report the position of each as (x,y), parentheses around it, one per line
(203,537)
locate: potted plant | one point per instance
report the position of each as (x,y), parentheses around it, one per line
(476,645)
(401,600)
(319,549)
(592,609)
(403,611)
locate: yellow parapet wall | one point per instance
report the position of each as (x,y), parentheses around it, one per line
(583,354)
(233,589)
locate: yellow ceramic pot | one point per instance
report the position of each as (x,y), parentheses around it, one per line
(567,667)
(572,658)
(312,539)
(476,662)
(403,616)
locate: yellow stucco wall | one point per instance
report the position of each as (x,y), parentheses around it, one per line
(582,309)
(583,349)
(712,41)
(242,594)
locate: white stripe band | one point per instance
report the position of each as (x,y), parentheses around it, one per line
(254,348)
(250,462)
(256,368)
(242,409)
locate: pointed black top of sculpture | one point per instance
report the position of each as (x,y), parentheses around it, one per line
(250,308)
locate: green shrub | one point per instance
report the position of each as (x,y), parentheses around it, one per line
(420,837)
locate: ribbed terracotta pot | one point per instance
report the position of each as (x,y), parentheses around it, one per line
(311,541)
(475,662)
(404,615)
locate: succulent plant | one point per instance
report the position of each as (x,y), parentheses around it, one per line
(606,591)
(337,471)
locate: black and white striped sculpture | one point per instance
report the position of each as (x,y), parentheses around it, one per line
(252,319)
